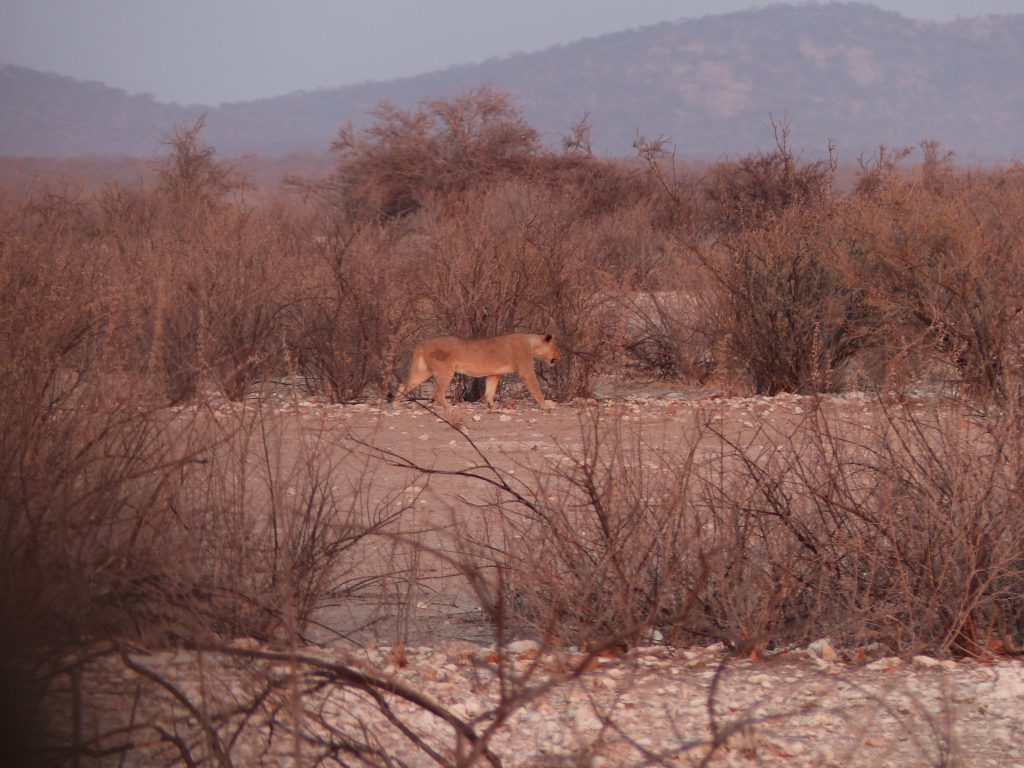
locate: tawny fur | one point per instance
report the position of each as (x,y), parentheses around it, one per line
(490,359)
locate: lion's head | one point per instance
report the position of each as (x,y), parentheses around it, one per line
(548,350)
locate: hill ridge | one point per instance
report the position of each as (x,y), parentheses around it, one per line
(846,72)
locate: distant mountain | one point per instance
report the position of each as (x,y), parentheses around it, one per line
(846,72)
(50,115)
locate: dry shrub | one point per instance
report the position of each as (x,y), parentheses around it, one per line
(672,331)
(941,262)
(793,320)
(763,231)
(50,328)
(248,299)
(155,525)
(121,520)
(152,528)
(674,321)
(357,310)
(596,552)
(197,276)
(804,281)
(949,494)
(89,511)
(82,465)
(903,532)
(478,271)
(49,453)
(122,517)
(578,297)
(274,526)
(443,146)
(220,291)
(900,533)
(750,192)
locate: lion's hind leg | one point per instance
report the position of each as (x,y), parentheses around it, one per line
(442,380)
(490,388)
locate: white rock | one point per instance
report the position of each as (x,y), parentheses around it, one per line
(505,417)
(280,672)
(471,706)
(925,662)
(522,646)
(883,664)
(822,649)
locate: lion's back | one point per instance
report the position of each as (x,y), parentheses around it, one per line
(478,357)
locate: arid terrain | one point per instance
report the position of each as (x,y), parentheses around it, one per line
(817,703)
(774,515)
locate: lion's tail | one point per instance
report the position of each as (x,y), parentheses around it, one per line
(403,388)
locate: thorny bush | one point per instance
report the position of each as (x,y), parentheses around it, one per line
(902,533)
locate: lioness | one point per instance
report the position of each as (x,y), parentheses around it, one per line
(445,356)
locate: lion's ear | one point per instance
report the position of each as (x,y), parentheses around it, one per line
(547,338)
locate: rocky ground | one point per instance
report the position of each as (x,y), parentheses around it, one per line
(653,706)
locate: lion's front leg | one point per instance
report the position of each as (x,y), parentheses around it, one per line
(529,377)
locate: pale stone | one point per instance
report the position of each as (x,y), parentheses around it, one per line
(822,649)
(522,646)
(889,662)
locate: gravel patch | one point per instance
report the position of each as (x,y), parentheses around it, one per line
(654,705)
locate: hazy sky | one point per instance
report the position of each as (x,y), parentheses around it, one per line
(210,51)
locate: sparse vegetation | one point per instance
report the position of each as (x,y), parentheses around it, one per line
(162,487)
